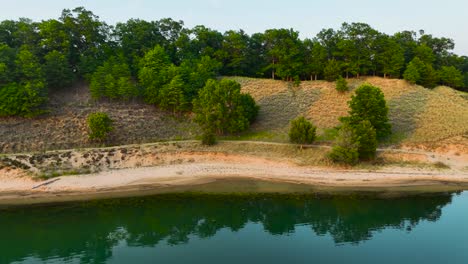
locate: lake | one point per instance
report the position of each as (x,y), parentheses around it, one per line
(240,228)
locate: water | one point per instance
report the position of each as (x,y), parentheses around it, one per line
(268,228)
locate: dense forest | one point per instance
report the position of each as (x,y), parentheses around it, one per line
(166,64)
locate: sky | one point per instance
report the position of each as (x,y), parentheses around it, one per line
(440,18)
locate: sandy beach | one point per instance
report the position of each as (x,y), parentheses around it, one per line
(204,169)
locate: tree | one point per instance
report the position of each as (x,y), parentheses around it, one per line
(346,146)
(341,85)
(100,125)
(57,70)
(172,95)
(113,80)
(412,74)
(332,71)
(451,76)
(390,56)
(367,140)
(153,73)
(249,107)
(218,108)
(302,131)
(368,103)
(315,58)
(284,51)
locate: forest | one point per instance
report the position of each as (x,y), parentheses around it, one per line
(163,63)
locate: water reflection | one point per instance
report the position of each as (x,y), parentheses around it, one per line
(90,230)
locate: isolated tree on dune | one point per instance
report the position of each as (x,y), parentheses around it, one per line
(368,103)
(345,149)
(302,131)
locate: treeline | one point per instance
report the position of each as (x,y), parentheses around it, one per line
(164,63)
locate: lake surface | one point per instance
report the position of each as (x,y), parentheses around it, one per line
(257,228)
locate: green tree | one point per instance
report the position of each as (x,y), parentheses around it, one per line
(346,146)
(113,80)
(368,103)
(332,70)
(412,74)
(451,76)
(172,95)
(153,74)
(100,125)
(367,140)
(315,58)
(219,109)
(341,85)
(302,131)
(249,106)
(57,70)
(390,56)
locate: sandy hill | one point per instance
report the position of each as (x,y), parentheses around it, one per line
(420,117)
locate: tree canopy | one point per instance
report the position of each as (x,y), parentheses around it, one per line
(40,57)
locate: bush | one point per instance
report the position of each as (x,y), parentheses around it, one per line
(208,138)
(100,125)
(346,147)
(367,140)
(341,85)
(249,106)
(302,131)
(368,103)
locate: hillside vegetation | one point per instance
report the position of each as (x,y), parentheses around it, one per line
(420,117)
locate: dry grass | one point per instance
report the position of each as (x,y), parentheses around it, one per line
(418,115)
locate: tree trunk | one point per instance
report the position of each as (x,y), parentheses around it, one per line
(385,75)
(316,77)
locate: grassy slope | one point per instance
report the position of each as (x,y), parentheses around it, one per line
(418,115)
(423,117)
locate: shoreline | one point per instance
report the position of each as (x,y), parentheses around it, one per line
(187,166)
(219,178)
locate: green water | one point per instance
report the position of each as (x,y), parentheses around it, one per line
(268,228)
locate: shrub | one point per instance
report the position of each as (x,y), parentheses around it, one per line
(100,125)
(341,85)
(208,138)
(367,140)
(346,147)
(302,131)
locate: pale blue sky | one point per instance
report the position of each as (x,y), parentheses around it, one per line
(447,18)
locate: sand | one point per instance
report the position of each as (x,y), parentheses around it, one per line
(14,186)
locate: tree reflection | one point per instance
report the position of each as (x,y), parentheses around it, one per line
(90,230)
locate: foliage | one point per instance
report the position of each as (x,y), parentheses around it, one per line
(57,71)
(51,54)
(100,125)
(367,140)
(451,76)
(368,103)
(220,108)
(113,80)
(172,95)
(208,138)
(302,131)
(412,73)
(341,85)
(332,71)
(346,146)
